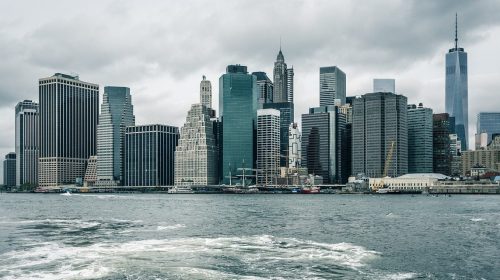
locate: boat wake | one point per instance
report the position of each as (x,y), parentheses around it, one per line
(253,257)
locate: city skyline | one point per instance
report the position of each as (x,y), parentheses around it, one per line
(163,78)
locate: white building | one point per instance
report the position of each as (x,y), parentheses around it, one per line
(294,146)
(407,182)
(268,146)
(196,154)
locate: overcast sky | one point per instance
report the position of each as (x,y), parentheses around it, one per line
(161,49)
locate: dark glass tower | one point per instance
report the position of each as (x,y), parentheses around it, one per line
(9,170)
(457,90)
(27,143)
(238,94)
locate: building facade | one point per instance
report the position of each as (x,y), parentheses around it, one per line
(294,146)
(420,151)
(489,123)
(290,77)
(323,133)
(9,170)
(206,92)
(265,87)
(27,147)
(268,146)
(150,155)
(69,111)
(457,104)
(442,157)
(280,79)
(380,135)
(238,94)
(117,113)
(286,118)
(332,86)
(196,155)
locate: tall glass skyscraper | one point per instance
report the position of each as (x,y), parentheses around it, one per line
(332,86)
(379,125)
(457,90)
(238,94)
(265,87)
(27,147)
(488,122)
(323,134)
(69,111)
(419,139)
(117,113)
(9,170)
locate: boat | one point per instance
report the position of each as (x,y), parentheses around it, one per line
(178,189)
(66,193)
(310,190)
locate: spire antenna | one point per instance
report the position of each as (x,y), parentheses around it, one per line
(456,31)
(280,42)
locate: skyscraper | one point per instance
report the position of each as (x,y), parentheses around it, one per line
(286,118)
(294,146)
(280,79)
(238,112)
(117,113)
(457,90)
(265,87)
(488,122)
(268,146)
(443,127)
(69,110)
(9,170)
(323,133)
(332,86)
(197,153)
(149,155)
(290,73)
(206,93)
(27,147)
(419,139)
(380,135)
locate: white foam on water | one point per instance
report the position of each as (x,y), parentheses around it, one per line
(401,276)
(269,254)
(170,227)
(477,220)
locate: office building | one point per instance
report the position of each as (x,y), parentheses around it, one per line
(69,111)
(380,135)
(27,147)
(196,155)
(443,127)
(9,170)
(238,112)
(419,139)
(150,155)
(286,118)
(268,146)
(457,90)
(280,79)
(290,76)
(117,113)
(206,92)
(265,88)
(481,140)
(384,85)
(90,177)
(332,86)
(294,146)
(323,133)
(489,123)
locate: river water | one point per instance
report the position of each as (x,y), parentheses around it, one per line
(161,236)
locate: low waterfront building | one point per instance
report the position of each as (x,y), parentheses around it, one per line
(407,182)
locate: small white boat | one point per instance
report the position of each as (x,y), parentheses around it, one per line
(66,193)
(177,189)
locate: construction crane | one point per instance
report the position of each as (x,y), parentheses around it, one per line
(388,159)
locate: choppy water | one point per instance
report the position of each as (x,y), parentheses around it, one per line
(160,236)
